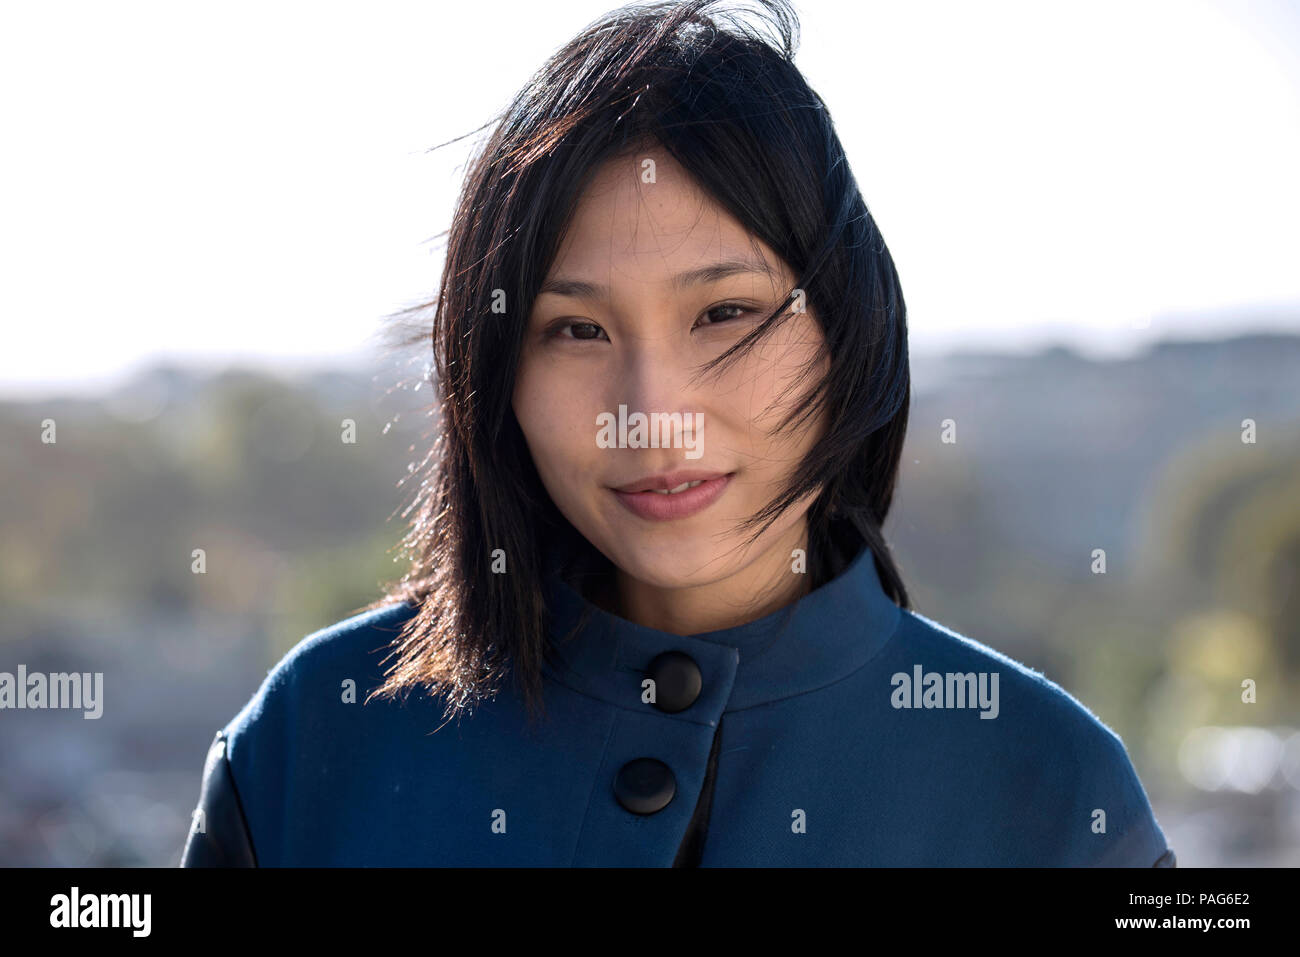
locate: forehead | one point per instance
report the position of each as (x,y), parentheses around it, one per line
(644,216)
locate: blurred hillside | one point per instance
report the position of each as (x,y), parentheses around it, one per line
(1055,456)
(99,531)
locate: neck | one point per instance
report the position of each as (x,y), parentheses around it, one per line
(766,584)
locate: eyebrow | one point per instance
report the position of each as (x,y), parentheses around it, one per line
(710,273)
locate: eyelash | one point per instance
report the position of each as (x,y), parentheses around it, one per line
(556,330)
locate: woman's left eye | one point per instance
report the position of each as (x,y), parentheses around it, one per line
(727,311)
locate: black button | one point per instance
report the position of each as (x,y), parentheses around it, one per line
(677,681)
(645,785)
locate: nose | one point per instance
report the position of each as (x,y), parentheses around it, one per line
(651,392)
(654,374)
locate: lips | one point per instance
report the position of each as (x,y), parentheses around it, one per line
(672,495)
(669,481)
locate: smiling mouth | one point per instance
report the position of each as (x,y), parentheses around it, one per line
(655,498)
(671,483)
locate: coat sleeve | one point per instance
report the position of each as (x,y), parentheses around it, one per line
(219,834)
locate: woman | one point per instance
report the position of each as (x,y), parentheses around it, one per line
(648,578)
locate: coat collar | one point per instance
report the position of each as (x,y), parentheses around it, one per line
(826,635)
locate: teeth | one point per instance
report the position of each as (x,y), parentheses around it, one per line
(681,488)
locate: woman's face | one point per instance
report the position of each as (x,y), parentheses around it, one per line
(653,280)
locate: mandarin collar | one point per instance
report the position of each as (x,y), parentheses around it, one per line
(824,636)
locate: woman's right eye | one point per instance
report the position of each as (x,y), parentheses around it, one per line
(580,330)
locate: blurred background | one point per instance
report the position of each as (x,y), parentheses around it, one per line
(210,210)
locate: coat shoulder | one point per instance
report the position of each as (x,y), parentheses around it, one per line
(1046,744)
(1027,696)
(314,671)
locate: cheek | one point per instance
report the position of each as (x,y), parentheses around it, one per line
(768,383)
(551,409)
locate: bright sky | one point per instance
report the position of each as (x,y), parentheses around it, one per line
(249,180)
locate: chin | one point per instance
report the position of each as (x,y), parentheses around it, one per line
(674,563)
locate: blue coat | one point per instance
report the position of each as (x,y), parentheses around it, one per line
(841,731)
